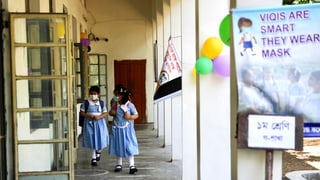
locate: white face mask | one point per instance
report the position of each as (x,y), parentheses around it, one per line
(94,97)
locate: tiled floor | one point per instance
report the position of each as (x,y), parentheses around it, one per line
(153,162)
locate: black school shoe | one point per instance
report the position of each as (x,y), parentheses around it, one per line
(94,162)
(118,168)
(133,170)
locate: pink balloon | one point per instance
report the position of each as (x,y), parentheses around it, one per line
(222,65)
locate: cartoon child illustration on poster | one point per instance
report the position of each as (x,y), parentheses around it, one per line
(247,37)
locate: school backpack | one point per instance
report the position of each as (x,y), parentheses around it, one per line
(86,105)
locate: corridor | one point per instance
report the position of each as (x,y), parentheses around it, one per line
(153,161)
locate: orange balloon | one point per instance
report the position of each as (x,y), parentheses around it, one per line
(212,47)
(83,35)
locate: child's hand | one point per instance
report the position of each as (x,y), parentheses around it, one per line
(95,118)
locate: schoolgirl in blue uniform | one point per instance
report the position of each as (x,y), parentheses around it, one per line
(95,131)
(123,140)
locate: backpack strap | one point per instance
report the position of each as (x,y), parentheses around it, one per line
(115,106)
(86,105)
(101,104)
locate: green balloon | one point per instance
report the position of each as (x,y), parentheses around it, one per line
(204,65)
(224,30)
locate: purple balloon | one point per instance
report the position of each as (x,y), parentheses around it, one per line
(85,42)
(222,65)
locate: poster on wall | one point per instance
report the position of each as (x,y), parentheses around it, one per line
(169,81)
(277,57)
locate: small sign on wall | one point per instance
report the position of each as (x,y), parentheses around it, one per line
(271,132)
(261,131)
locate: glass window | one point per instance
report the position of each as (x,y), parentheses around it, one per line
(39,30)
(94,59)
(94,80)
(103,80)
(102,60)
(35,61)
(94,69)
(53,157)
(54,176)
(102,69)
(42,106)
(37,93)
(98,73)
(42,125)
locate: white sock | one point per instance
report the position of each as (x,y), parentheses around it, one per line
(94,155)
(98,153)
(119,161)
(131,160)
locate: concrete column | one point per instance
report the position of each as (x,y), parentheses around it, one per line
(177,105)
(214,100)
(155,49)
(167,103)
(160,106)
(189,99)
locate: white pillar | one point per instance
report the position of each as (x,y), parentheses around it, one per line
(155,49)
(160,106)
(214,100)
(189,111)
(176,101)
(167,103)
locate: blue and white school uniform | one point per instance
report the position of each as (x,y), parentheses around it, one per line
(95,132)
(123,139)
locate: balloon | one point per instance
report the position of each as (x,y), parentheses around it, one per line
(222,65)
(212,47)
(83,35)
(194,72)
(224,30)
(85,42)
(204,65)
(60,29)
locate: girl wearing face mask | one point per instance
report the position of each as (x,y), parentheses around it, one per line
(95,131)
(123,139)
